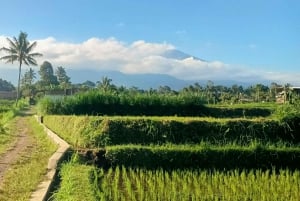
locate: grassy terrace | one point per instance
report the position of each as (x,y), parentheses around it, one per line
(227,155)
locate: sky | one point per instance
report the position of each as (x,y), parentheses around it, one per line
(237,39)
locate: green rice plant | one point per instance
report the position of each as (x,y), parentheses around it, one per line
(99,131)
(76,183)
(111,103)
(255,155)
(142,184)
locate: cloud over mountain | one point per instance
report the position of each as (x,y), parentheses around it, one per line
(144,57)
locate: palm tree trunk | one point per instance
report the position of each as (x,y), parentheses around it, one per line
(18,89)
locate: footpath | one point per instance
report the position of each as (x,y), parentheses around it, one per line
(23,142)
(43,188)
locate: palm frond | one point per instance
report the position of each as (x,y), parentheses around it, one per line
(31,47)
(7,50)
(9,58)
(31,61)
(35,54)
(11,43)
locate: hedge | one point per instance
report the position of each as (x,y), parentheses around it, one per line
(97,103)
(87,131)
(203,157)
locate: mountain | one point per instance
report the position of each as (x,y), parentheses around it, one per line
(142,81)
(176,54)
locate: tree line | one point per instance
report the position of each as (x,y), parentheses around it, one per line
(55,80)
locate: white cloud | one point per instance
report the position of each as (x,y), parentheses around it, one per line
(142,57)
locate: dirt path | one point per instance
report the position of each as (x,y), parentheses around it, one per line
(23,141)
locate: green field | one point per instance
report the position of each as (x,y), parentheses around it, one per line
(120,183)
(244,154)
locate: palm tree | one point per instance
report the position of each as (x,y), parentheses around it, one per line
(19,50)
(105,84)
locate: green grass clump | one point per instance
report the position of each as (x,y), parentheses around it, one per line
(76,183)
(7,114)
(109,103)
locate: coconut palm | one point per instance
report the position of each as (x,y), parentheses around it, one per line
(19,50)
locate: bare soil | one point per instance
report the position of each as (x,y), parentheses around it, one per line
(21,143)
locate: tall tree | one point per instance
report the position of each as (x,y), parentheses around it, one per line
(27,82)
(28,77)
(48,79)
(62,77)
(20,50)
(105,84)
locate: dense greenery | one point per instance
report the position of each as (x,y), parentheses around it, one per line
(20,51)
(81,182)
(76,183)
(88,131)
(107,103)
(140,184)
(201,156)
(6,86)
(6,115)
(99,103)
(185,158)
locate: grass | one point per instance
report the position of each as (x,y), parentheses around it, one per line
(140,184)
(83,182)
(6,138)
(7,113)
(76,183)
(24,176)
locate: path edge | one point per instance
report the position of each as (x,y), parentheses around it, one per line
(44,187)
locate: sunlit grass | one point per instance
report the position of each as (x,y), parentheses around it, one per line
(82,182)
(76,183)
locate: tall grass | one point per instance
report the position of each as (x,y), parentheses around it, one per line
(140,184)
(76,183)
(94,131)
(81,182)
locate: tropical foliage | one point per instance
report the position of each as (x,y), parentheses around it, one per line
(20,50)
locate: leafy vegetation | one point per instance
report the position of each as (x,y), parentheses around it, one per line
(76,183)
(203,156)
(6,86)
(7,113)
(93,132)
(20,50)
(81,182)
(140,184)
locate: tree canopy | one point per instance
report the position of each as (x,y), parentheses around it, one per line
(6,86)
(47,75)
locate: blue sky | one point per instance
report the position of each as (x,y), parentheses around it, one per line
(246,35)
